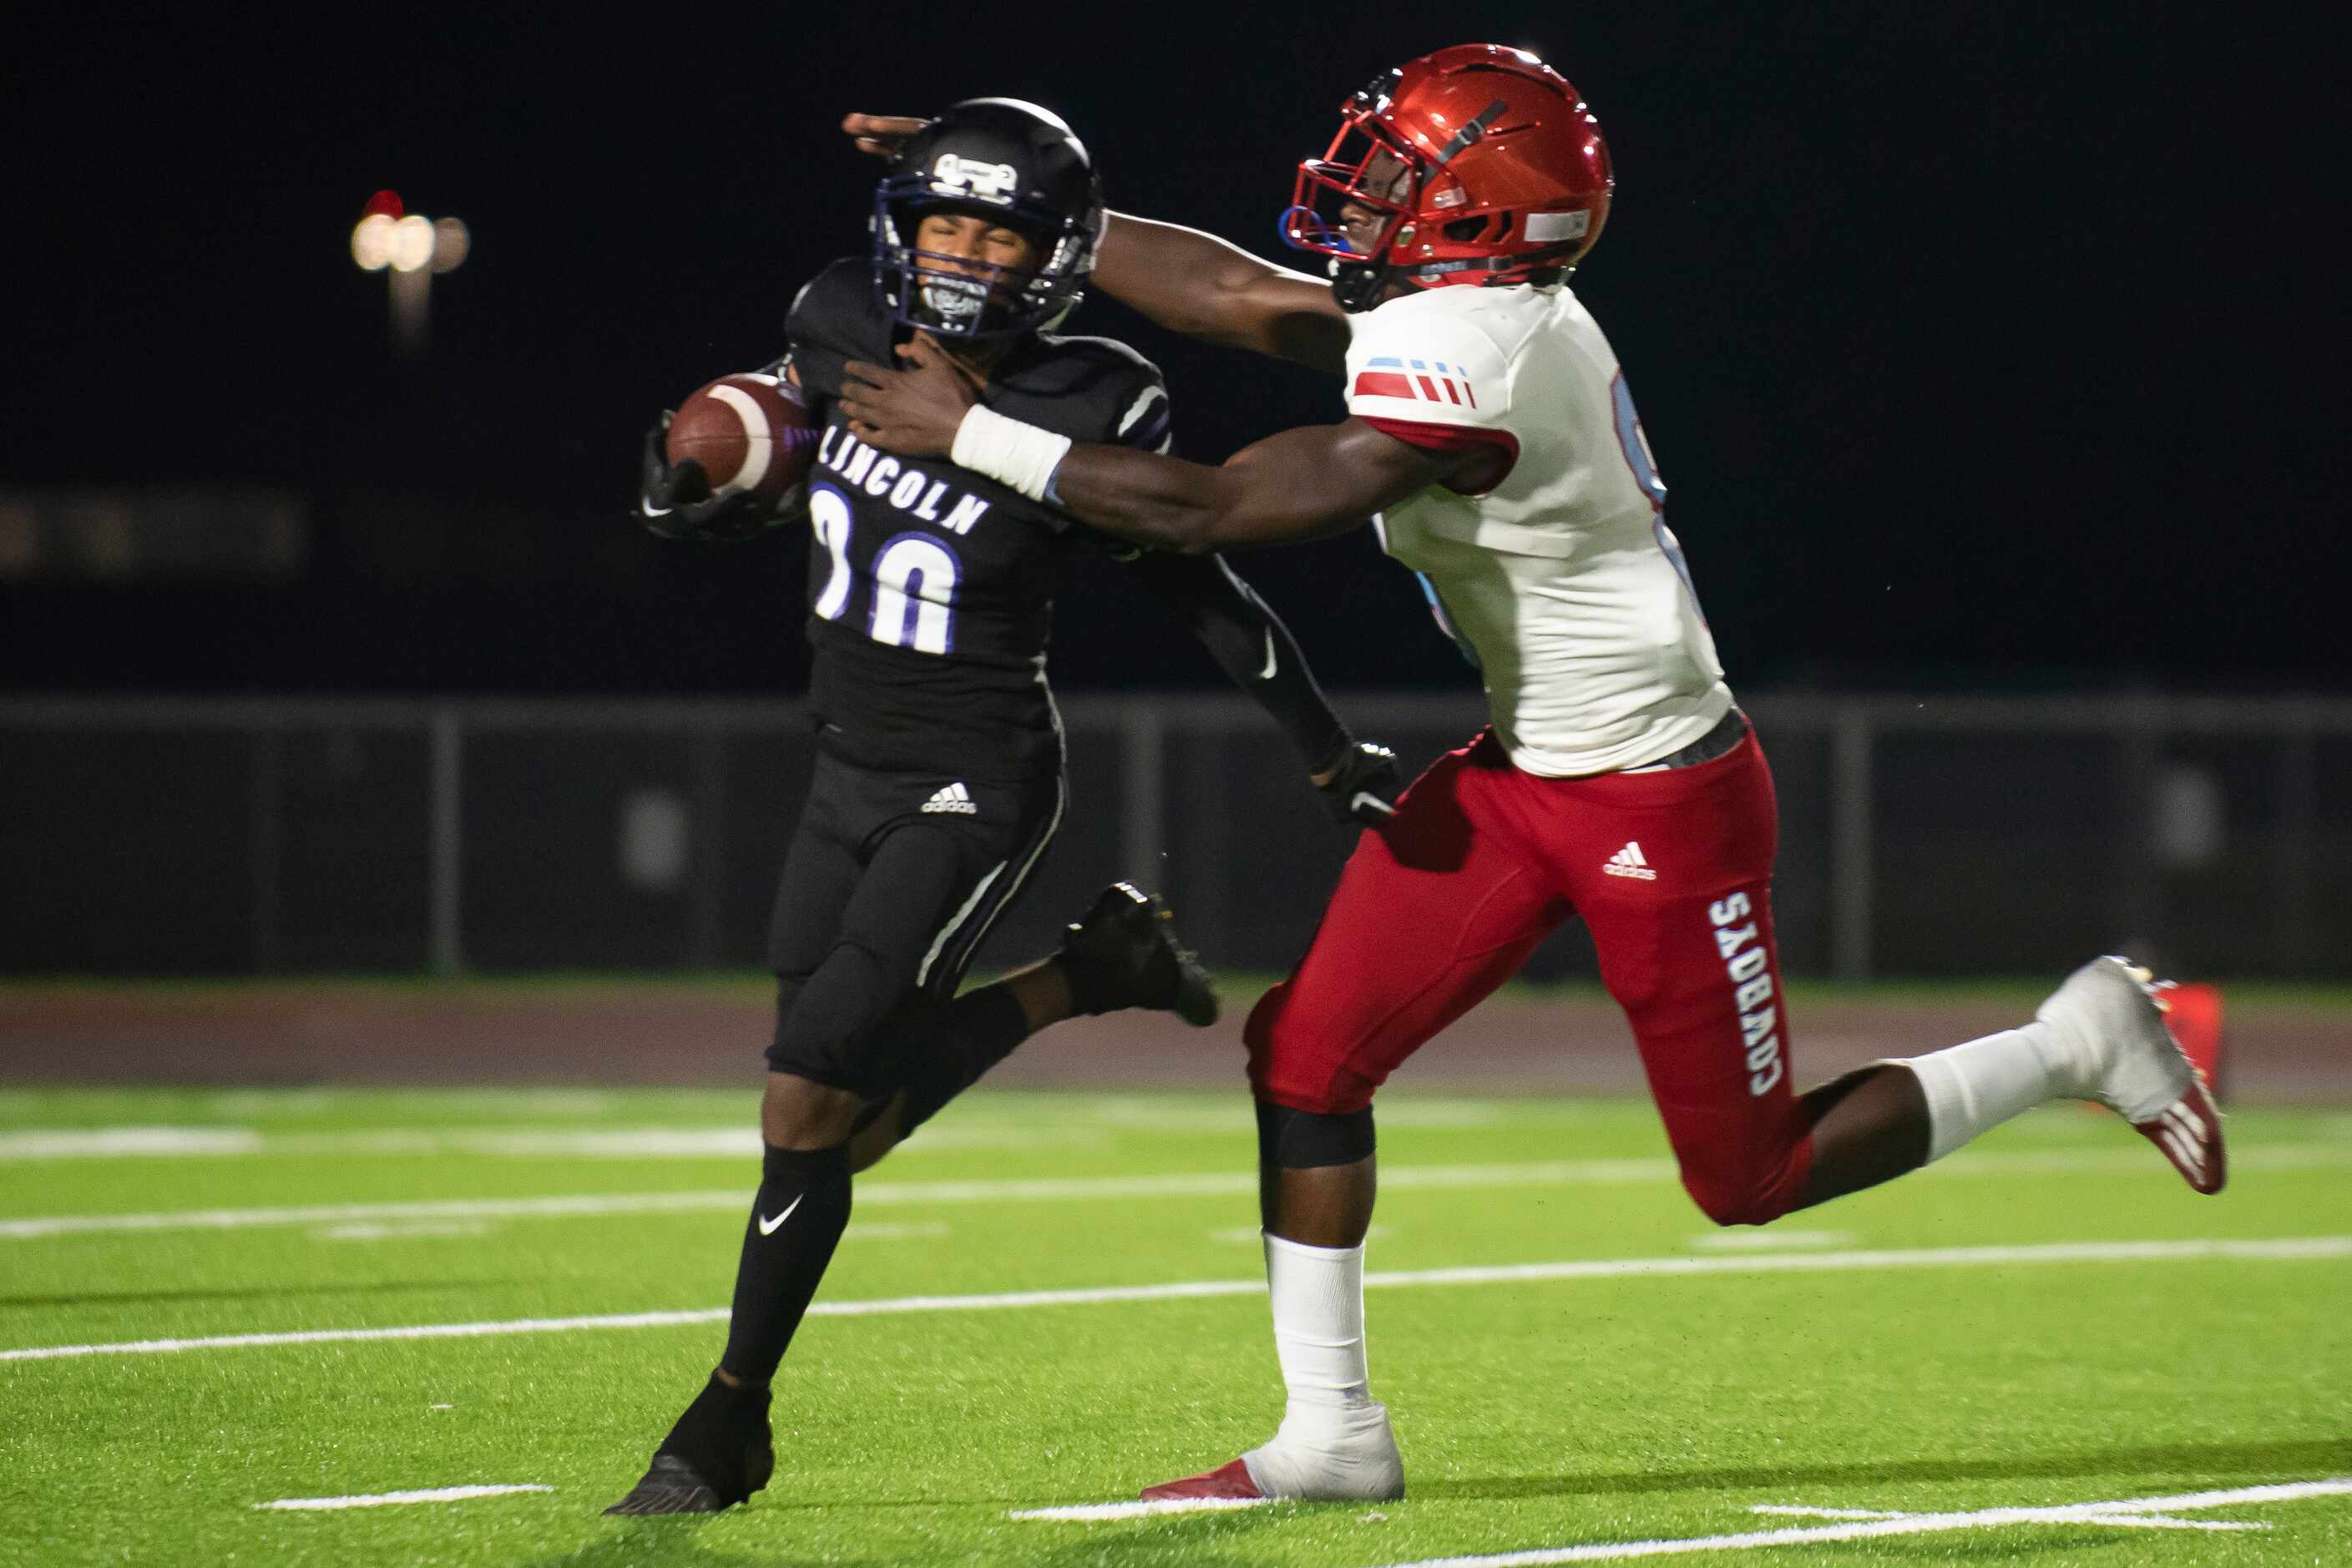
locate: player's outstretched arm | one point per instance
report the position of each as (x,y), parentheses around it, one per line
(1187,280)
(1308,483)
(1194,283)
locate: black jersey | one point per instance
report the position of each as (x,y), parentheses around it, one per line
(932,587)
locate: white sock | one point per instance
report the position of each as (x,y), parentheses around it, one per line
(1318,1334)
(1975,1087)
(1334,1440)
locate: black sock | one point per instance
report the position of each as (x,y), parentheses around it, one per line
(972,1035)
(803,1207)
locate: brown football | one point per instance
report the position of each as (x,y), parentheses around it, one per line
(749,432)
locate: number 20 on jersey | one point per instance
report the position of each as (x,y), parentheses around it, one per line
(914,579)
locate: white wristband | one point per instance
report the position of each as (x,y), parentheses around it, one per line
(1008,451)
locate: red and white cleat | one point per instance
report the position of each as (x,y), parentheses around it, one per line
(2113,1012)
(2188,1132)
(1229,1479)
(1322,1454)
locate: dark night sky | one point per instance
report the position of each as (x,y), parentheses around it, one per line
(1960,332)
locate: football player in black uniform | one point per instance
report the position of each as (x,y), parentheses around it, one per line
(939,779)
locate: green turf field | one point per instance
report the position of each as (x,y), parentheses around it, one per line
(1872,1356)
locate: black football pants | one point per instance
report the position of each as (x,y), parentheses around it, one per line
(890,885)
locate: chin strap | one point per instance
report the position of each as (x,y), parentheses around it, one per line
(1553,256)
(1357,285)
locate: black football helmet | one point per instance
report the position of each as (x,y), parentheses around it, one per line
(1014,164)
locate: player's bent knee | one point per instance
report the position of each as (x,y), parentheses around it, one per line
(788,990)
(876,1131)
(799,1113)
(1293,1066)
(1257,1032)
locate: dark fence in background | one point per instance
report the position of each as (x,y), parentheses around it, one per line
(1949,836)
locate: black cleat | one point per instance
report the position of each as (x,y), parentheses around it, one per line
(1125,954)
(670,1486)
(718,1454)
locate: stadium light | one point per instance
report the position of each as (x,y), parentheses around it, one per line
(408,248)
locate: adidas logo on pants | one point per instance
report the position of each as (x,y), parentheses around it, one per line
(1628,862)
(952,798)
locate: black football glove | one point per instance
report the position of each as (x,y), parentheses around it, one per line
(1363,785)
(677,502)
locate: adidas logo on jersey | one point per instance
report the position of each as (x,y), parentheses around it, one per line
(951,797)
(1628,862)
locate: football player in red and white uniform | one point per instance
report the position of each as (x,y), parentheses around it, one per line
(1490,430)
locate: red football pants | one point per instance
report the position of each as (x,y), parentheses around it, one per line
(1671,874)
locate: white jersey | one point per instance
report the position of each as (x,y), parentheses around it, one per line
(1562,581)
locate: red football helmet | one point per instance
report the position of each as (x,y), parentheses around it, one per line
(1474,164)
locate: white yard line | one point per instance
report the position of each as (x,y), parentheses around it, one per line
(351,1336)
(730,1142)
(2113,1512)
(2283,1249)
(118,1142)
(1040,1189)
(2166,1521)
(383,1499)
(565,1206)
(432,1230)
(734,1141)
(1071,1189)
(2134,1521)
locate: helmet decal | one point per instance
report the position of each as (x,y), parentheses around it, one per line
(1557,226)
(954,175)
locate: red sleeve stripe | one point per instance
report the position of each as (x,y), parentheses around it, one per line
(1450,438)
(1383,384)
(1415,380)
